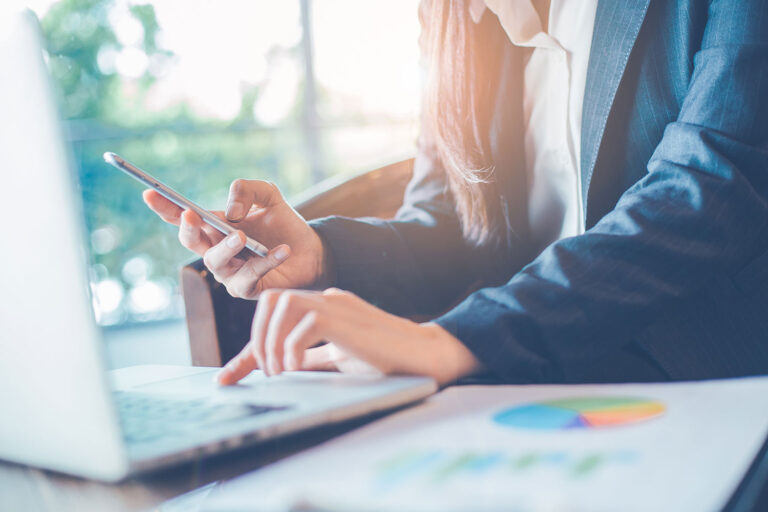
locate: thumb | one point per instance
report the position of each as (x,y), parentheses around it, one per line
(276,256)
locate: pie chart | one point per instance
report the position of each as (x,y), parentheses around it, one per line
(580,413)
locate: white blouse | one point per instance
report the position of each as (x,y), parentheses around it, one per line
(555,78)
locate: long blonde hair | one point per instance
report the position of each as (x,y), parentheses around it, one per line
(463,63)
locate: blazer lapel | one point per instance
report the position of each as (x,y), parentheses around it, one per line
(617,24)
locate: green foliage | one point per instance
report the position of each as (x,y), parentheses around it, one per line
(146,15)
(199,157)
(75,30)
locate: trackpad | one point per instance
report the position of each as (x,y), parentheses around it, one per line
(289,387)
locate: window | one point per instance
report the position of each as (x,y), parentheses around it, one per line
(199,93)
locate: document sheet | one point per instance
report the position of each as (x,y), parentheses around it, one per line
(629,447)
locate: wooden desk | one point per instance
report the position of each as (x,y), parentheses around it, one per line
(31,490)
(28,489)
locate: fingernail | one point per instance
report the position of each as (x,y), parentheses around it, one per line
(281,254)
(233,240)
(235,210)
(219,375)
(290,363)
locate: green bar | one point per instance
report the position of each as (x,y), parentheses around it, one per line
(525,461)
(398,462)
(456,465)
(587,465)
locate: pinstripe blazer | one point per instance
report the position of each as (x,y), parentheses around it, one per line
(673,267)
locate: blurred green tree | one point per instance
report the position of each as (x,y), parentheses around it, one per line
(104,111)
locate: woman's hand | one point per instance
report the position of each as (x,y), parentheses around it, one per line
(297,258)
(289,324)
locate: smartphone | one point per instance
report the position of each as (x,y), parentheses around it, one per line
(181,201)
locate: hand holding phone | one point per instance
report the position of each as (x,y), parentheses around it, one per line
(296,259)
(181,201)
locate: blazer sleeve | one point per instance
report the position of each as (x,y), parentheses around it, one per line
(701,210)
(419,262)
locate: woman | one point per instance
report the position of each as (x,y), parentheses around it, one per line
(598,173)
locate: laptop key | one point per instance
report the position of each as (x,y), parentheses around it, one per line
(146,417)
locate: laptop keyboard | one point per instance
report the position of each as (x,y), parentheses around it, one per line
(146,417)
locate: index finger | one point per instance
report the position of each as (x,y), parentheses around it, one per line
(167,211)
(245,193)
(238,367)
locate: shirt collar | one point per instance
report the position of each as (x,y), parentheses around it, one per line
(519,20)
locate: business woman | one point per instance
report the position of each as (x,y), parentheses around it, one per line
(596,171)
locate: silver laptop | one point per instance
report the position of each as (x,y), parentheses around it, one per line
(61,409)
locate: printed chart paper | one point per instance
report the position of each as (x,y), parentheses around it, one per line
(680,446)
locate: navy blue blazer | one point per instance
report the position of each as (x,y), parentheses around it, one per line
(670,280)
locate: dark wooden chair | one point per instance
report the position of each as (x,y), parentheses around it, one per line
(219,324)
